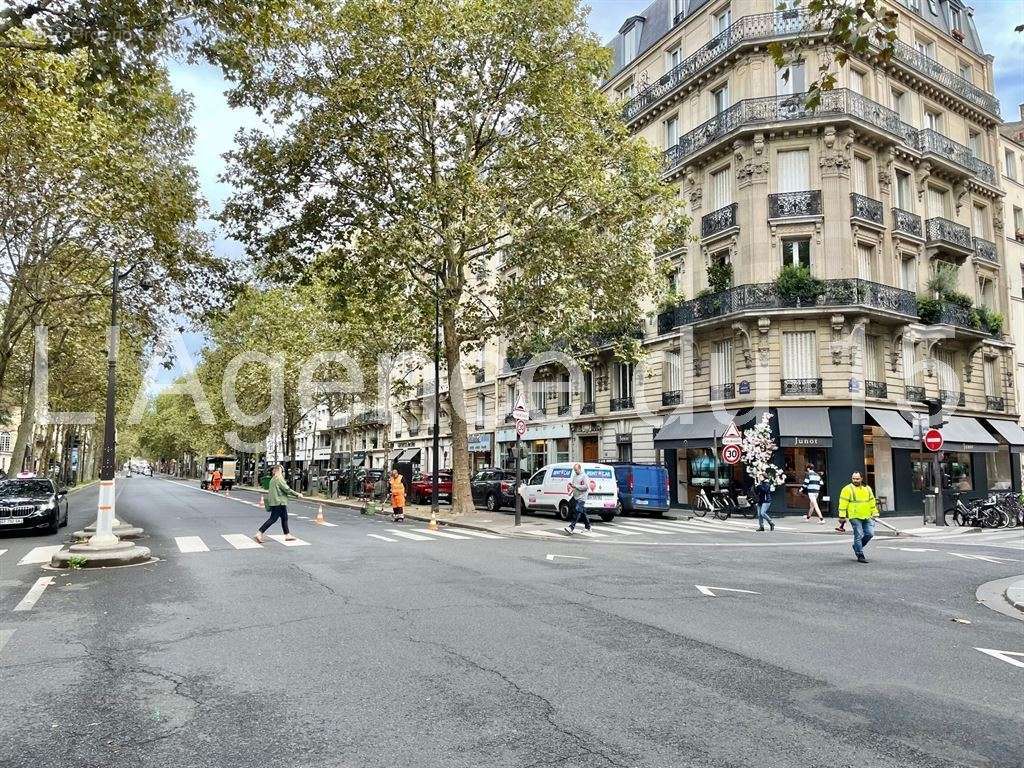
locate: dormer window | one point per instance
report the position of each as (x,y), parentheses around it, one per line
(678,11)
(630,32)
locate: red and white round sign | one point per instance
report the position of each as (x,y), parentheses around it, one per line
(520,427)
(933,440)
(731,454)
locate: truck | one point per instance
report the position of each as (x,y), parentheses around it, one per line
(226,465)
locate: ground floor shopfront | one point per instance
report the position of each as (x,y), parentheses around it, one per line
(837,441)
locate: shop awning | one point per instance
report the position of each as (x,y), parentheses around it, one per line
(804,427)
(411,455)
(1010,432)
(696,430)
(962,433)
(896,427)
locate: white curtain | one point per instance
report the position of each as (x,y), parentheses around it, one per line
(904,199)
(856,82)
(721,189)
(860,175)
(937,203)
(908,274)
(978,218)
(721,363)
(991,380)
(910,373)
(873,368)
(794,83)
(794,171)
(866,261)
(799,355)
(948,378)
(672,374)
(671,132)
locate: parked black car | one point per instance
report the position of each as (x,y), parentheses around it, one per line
(494,488)
(32,503)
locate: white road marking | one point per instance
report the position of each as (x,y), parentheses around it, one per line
(705,590)
(188,544)
(1004,656)
(593,534)
(565,557)
(407,535)
(442,534)
(643,529)
(382,538)
(618,532)
(40,554)
(5,635)
(480,534)
(241,541)
(986,558)
(325,524)
(675,527)
(2,552)
(912,549)
(543,533)
(280,539)
(301,517)
(34,593)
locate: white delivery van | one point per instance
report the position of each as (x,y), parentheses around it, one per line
(550,490)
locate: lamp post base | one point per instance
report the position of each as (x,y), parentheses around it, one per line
(89,555)
(121,530)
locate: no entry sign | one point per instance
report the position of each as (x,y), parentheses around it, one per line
(933,440)
(731,454)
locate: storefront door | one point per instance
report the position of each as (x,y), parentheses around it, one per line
(588,447)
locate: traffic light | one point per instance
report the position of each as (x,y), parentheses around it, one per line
(936,414)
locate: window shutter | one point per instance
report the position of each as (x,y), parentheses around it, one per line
(794,171)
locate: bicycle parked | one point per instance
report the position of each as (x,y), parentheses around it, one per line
(722,504)
(979,513)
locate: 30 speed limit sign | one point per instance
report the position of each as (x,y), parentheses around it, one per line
(731,454)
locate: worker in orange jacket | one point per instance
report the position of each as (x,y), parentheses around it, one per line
(397,496)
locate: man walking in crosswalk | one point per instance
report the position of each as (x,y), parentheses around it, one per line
(580,492)
(857,503)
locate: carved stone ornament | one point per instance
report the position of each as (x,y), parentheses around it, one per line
(923,172)
(885,161)
(959,193)
(997,217)
(835,155)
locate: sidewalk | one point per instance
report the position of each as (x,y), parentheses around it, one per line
(1014,594)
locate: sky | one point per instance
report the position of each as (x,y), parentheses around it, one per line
(216,123)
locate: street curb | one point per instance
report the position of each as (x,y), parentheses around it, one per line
(78,488)
(1003,596)
(1014,594)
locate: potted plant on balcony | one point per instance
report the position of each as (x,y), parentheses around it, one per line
(990,321)
(929,309)
(797,287)
(719,275)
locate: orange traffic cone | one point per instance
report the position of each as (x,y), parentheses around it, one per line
(319,520)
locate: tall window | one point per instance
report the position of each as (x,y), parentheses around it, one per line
(991,377)
(908,273)
(627,91)
(933,120)
(481,405)
(623,380)
(564,393)
(857,81)
(721,189)
(720,99)
(510,396)
(799,355)
(926,47)
(631,42)
(722,21)
(987,293)
(721,364)
(974,143)
(538,392)
(979,221)
(5,442)
(794,171)
(797,252)
(791,79)
(1010,163)
(904,197)
(588,386)
(866,261)
(672,58)
(911,369)
(966,72)
(860,175)
(1018,219)
(671,132)
(672,376)
(949,379)
(899,103)
(678,10)
(938,203)
(874,370)
(956,19)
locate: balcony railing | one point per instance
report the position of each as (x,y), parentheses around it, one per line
(906,222)
(915,394)
(672,397)
(770,26)
(586,408)
(516,362)
(789,205)
(863,207)
(760,296)
(414,431)
(718,221)
(985,250)
(509,418)
(801,386)
(722,392)
(564,409)
(877,389)
(478,377)
(940,231)
(621,403)
(993,403)
(931,142)
(951,397)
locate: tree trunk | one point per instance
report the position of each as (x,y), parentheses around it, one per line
(462,500)
(26,429)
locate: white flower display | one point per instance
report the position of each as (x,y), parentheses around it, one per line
(758,448)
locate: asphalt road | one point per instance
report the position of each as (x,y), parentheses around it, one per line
(366,648)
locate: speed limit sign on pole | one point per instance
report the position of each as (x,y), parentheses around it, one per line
(520,427)
(731,454)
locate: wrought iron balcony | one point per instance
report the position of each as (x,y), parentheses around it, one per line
(414,431)
(718,221)
(995,403)
(931,142)
(478,425)
(478,377)
(564,409)
(849,292)
(907,223)
(945,77)
(801,386)
(672,397)
(722,392)
(985,250)
(867,209)
(915,394)
(621,403)
(790,205)
(951,397)
(945,233)
(586,408)
(516,362)
(877,389)
(509,418)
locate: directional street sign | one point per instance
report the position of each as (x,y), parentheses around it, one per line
(731,454)
(519,411)
(933,440)
(732,435)
(520,427)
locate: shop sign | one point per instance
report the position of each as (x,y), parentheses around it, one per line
(480,443)
(808,442)
(744,387)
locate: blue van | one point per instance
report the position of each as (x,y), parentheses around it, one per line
(642,488)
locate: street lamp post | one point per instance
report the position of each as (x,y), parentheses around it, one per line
(437,394)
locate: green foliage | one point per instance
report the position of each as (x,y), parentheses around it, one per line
(719,275)
(957,299)
(929,309)
(77,562)
(944,280)
(796,285)
(990,321)
(671,299)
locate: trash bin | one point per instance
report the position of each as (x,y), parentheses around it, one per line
(933,512)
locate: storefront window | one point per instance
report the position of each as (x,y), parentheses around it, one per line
(562,449)
(796,461)
(702,465)
(997,467)
(956,470)
(538,454)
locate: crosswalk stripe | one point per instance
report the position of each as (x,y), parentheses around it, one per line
(593,534)
(5,635)
(666,525)
(543,533)
(33,595)
(635,527)
(241,541)
(280,539)
(382,538)
(188,544)
(480,534)
(40,554)
(618,532)
(442,534)
(2,552)
(710,525)
(407,535)
(325,524)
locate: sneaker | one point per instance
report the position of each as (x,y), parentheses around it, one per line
(861,559)
(568,530)
(840,530)
(772,525)
(761,529)
(588,528)
(289,537)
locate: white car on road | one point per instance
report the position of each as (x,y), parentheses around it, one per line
(550,490)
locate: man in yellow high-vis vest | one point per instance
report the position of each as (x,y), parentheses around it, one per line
(857,504)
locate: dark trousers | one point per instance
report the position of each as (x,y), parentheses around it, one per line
(277,513)
(580,513)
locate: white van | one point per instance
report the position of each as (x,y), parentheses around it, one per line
(550,490)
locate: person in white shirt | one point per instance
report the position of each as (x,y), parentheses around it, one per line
(580,491)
